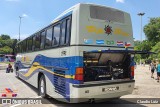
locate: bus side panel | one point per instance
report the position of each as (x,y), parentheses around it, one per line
(52,81)
(50,88)
(33,80)
(74,27)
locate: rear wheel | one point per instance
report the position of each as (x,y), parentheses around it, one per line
(17,72)
(42,86)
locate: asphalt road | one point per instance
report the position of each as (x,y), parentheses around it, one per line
(145,87)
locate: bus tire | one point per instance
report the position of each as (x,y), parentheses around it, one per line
(17,72)
(42,86)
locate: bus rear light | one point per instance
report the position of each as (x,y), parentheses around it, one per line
(132,71)
(79,74)
(79,70)
(79,77)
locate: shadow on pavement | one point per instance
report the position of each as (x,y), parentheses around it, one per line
(111,103)
(115,102)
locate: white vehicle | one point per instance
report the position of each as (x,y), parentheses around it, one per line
(83,55)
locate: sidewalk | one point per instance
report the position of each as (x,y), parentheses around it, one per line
(145,86)
(3,66)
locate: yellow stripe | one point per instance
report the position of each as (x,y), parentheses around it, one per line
(36,66)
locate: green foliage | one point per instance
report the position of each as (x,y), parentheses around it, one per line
(144,46)
(137,57)
(6,44)
(6,50)
(4,37)
(136,43)
(147,46)
(156,49)
(152,30)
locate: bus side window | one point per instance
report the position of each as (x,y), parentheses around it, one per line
(68,29)
(56,35)
(24,46)
(20,47)
(49,33)
(37,42)
(34,41)
(63,33)
(27,40)
(43,36)
(29,44)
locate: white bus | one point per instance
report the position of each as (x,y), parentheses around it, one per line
(83,55)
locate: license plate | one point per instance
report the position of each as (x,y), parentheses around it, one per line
(110,89)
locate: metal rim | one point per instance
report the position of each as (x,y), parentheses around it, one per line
(17,74)
(42,86)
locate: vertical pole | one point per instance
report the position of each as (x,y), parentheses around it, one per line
(19,27)
(141,28)
(141,14)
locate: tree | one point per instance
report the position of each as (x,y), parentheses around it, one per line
(144,46)
(7,45)
(156,49)
(152,30)
(6,50)
(5,37)
(137,56)
(136,43)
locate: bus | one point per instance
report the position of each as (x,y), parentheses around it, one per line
(85,54)
(7,58)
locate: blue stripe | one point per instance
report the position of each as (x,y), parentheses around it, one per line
(65,62)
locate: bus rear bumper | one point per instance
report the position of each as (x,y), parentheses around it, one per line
(101,91)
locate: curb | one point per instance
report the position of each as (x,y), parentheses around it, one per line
(3,67)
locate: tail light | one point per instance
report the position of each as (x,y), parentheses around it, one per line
(132,71)
(79,74)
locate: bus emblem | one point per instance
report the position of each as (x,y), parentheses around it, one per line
(108,29)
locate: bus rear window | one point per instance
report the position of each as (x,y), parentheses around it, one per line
(103,13)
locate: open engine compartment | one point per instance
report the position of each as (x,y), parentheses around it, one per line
(106,66)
